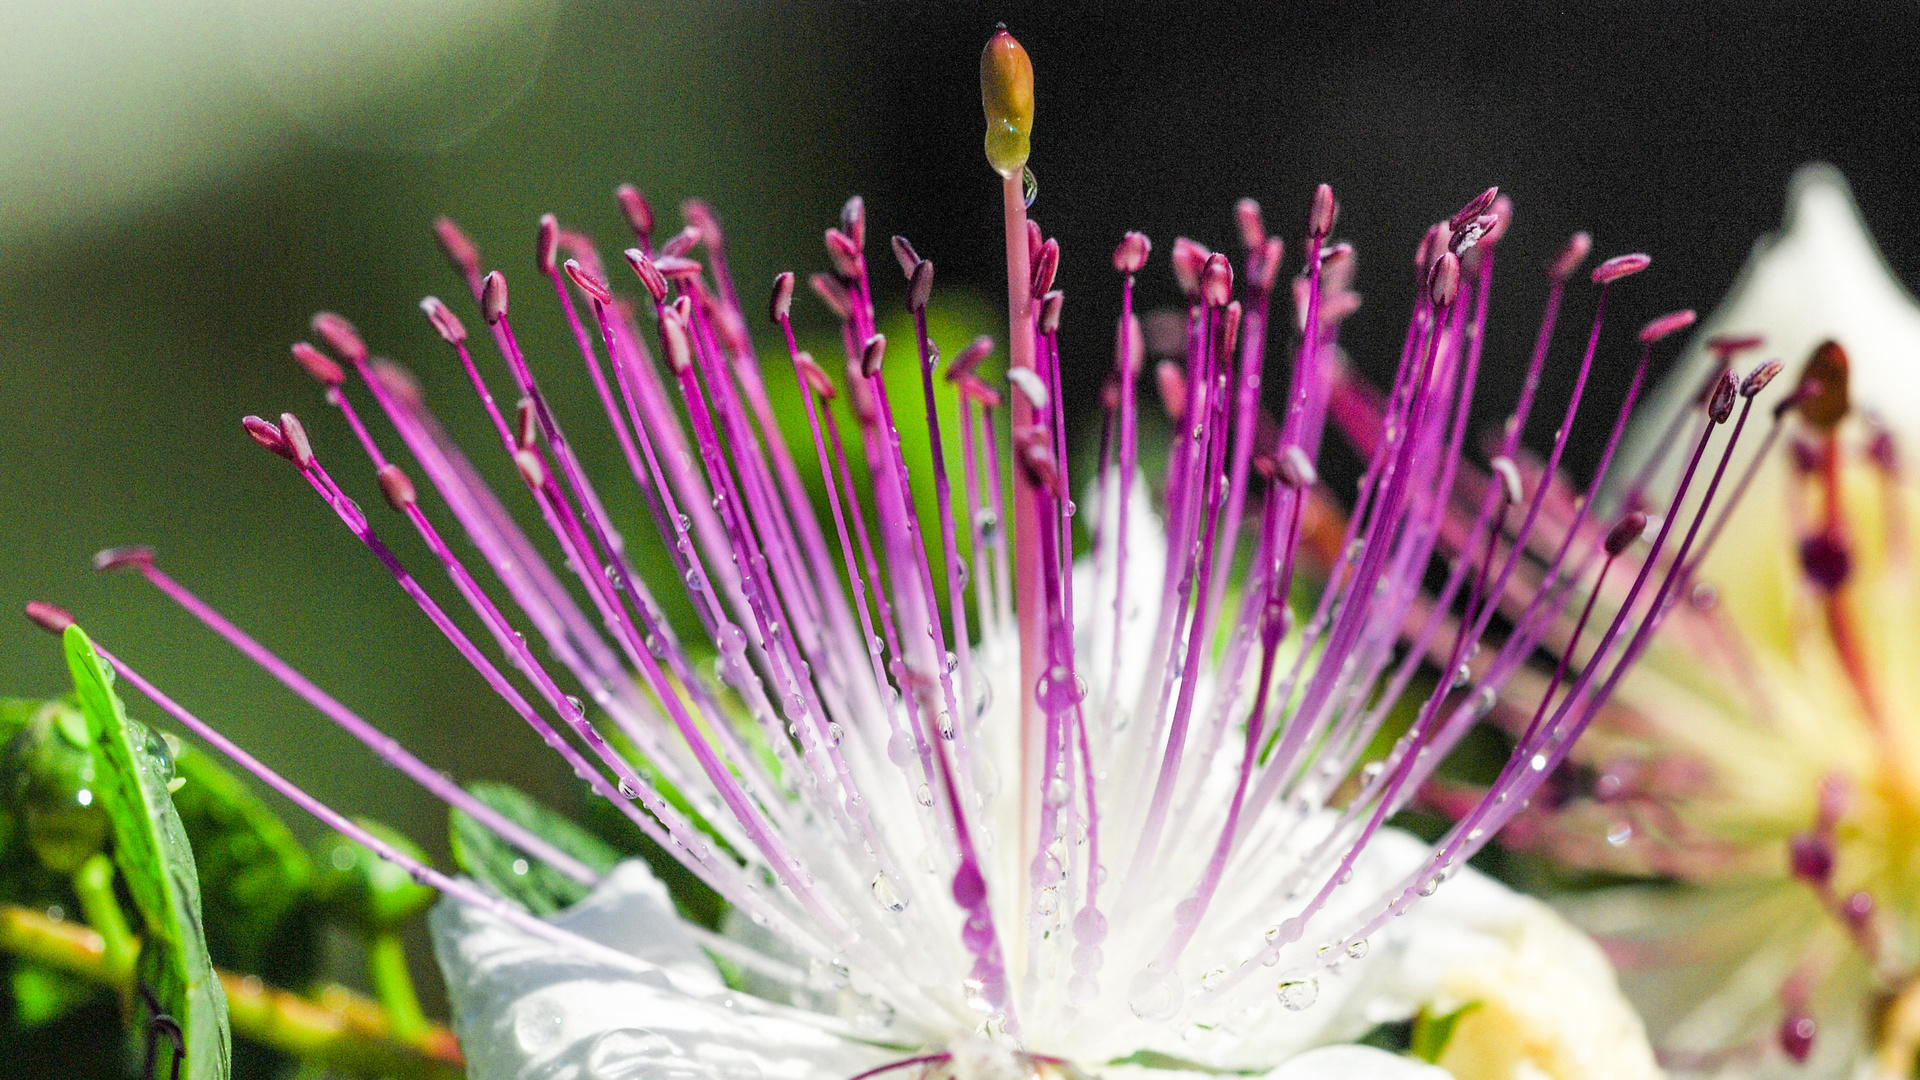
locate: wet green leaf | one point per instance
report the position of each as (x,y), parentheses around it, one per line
(155,863)
(366,889)
(48,774)
(513,873)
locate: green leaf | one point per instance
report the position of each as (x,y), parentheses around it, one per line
(364,888)
(155,862)
(513,873)
(255,876)
(42,994)
(1431,1034)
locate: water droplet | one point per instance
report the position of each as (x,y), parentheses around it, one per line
(834,733)
(953,661)
(683,522)
(900,748)
(579,707)
(1483,701)
(1430,886)
(1621,832)
(887,895)
(1155,995)
(925,795)
(1539,762)
(1298,993)
(694,581)
(1213,978)
(1048,901)
(1058,791)
(1462,675)
(1372,771)
(1357,948)
(944,722)
(874,644)
(615,578)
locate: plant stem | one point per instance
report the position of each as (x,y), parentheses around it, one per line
(341,1031)
(93,883)
(393,985)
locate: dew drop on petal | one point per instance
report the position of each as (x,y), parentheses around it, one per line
(1357,948)
(1298,993)
(887,896)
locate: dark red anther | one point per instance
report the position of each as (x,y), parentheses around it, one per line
(1253,231)
(1625,531)
(780,306)
(1443,283)
(816,377)
(588,284)
(872,355)
(1620,266)
(1720,404)
(1324,213)
(1438,238)
(1189,260)
(1502,215)
(680,243)
(532,470)
(1050,306)
(1828,367)
(444,321)
(54,620)
(526,423)
(1810,855)
(1230,328)
(1034,239)
(493,297)
(397,487)
(1758,378)
(266,434)
(920,286)
(546,243)
(1295,469)
(1669,323)
(1038,462)
(460,250)
(635,208)
(1477,206)
(969,358)
(853,220)
(318,364)
(1826,560)
(1797,1032)
(1570,257)
(1045,265)
(650,276)
(340,336)
(120,558)
(844,253)
(904,254)
(833,294)
(1172,383)
(1131,253)
(1216,280)
(294,433)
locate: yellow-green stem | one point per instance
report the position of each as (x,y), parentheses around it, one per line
(393,985)
(93,883)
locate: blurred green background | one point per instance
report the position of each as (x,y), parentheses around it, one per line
(183,183)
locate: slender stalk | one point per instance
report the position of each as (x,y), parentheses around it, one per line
(119,948)
(1029,600)
(393,984)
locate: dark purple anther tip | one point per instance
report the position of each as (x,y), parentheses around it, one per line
(546,243)
(266,434)
(833,294)
(1439,238)
(588,284)
(904,254)
(1570,257)
(844,253)
(853,221)
(1509,476)
(120,558)
(1796,1036)
(1324,213)
(444,320)
(1620,266)
(780,306)
(1759,377)
(1034,239)
(1811,857)
(920,286)
(1443,283)
(635,208)
(397,487)
(1475,207)
(969,888)
(1132,252)
(54,620)
(299,447)
(872,355)
(318,364)
(340,336)
(1826,561)
(460,251)
(493,297)
(650,276)
(1720,404)
(1672,322)
(1625,531)
(526,423)
(817,379)
(1295,469)
(1253,230)
(1050,306)
(1216,280)
(1045,265)
(969,358)
(1189,260)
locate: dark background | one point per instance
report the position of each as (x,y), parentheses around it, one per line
(133,337)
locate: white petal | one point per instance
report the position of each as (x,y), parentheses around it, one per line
(1350,1062)
(526,1011)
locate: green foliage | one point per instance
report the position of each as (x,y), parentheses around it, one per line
(1431,1033)
(513,873)
(50,775)
(135,769)
(366,890)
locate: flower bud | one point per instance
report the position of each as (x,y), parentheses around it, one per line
(1132,253)
(1006,96)
(1620,266)
(781,304)
(318,364)
(920,286)
(493,297)
(1669,323)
